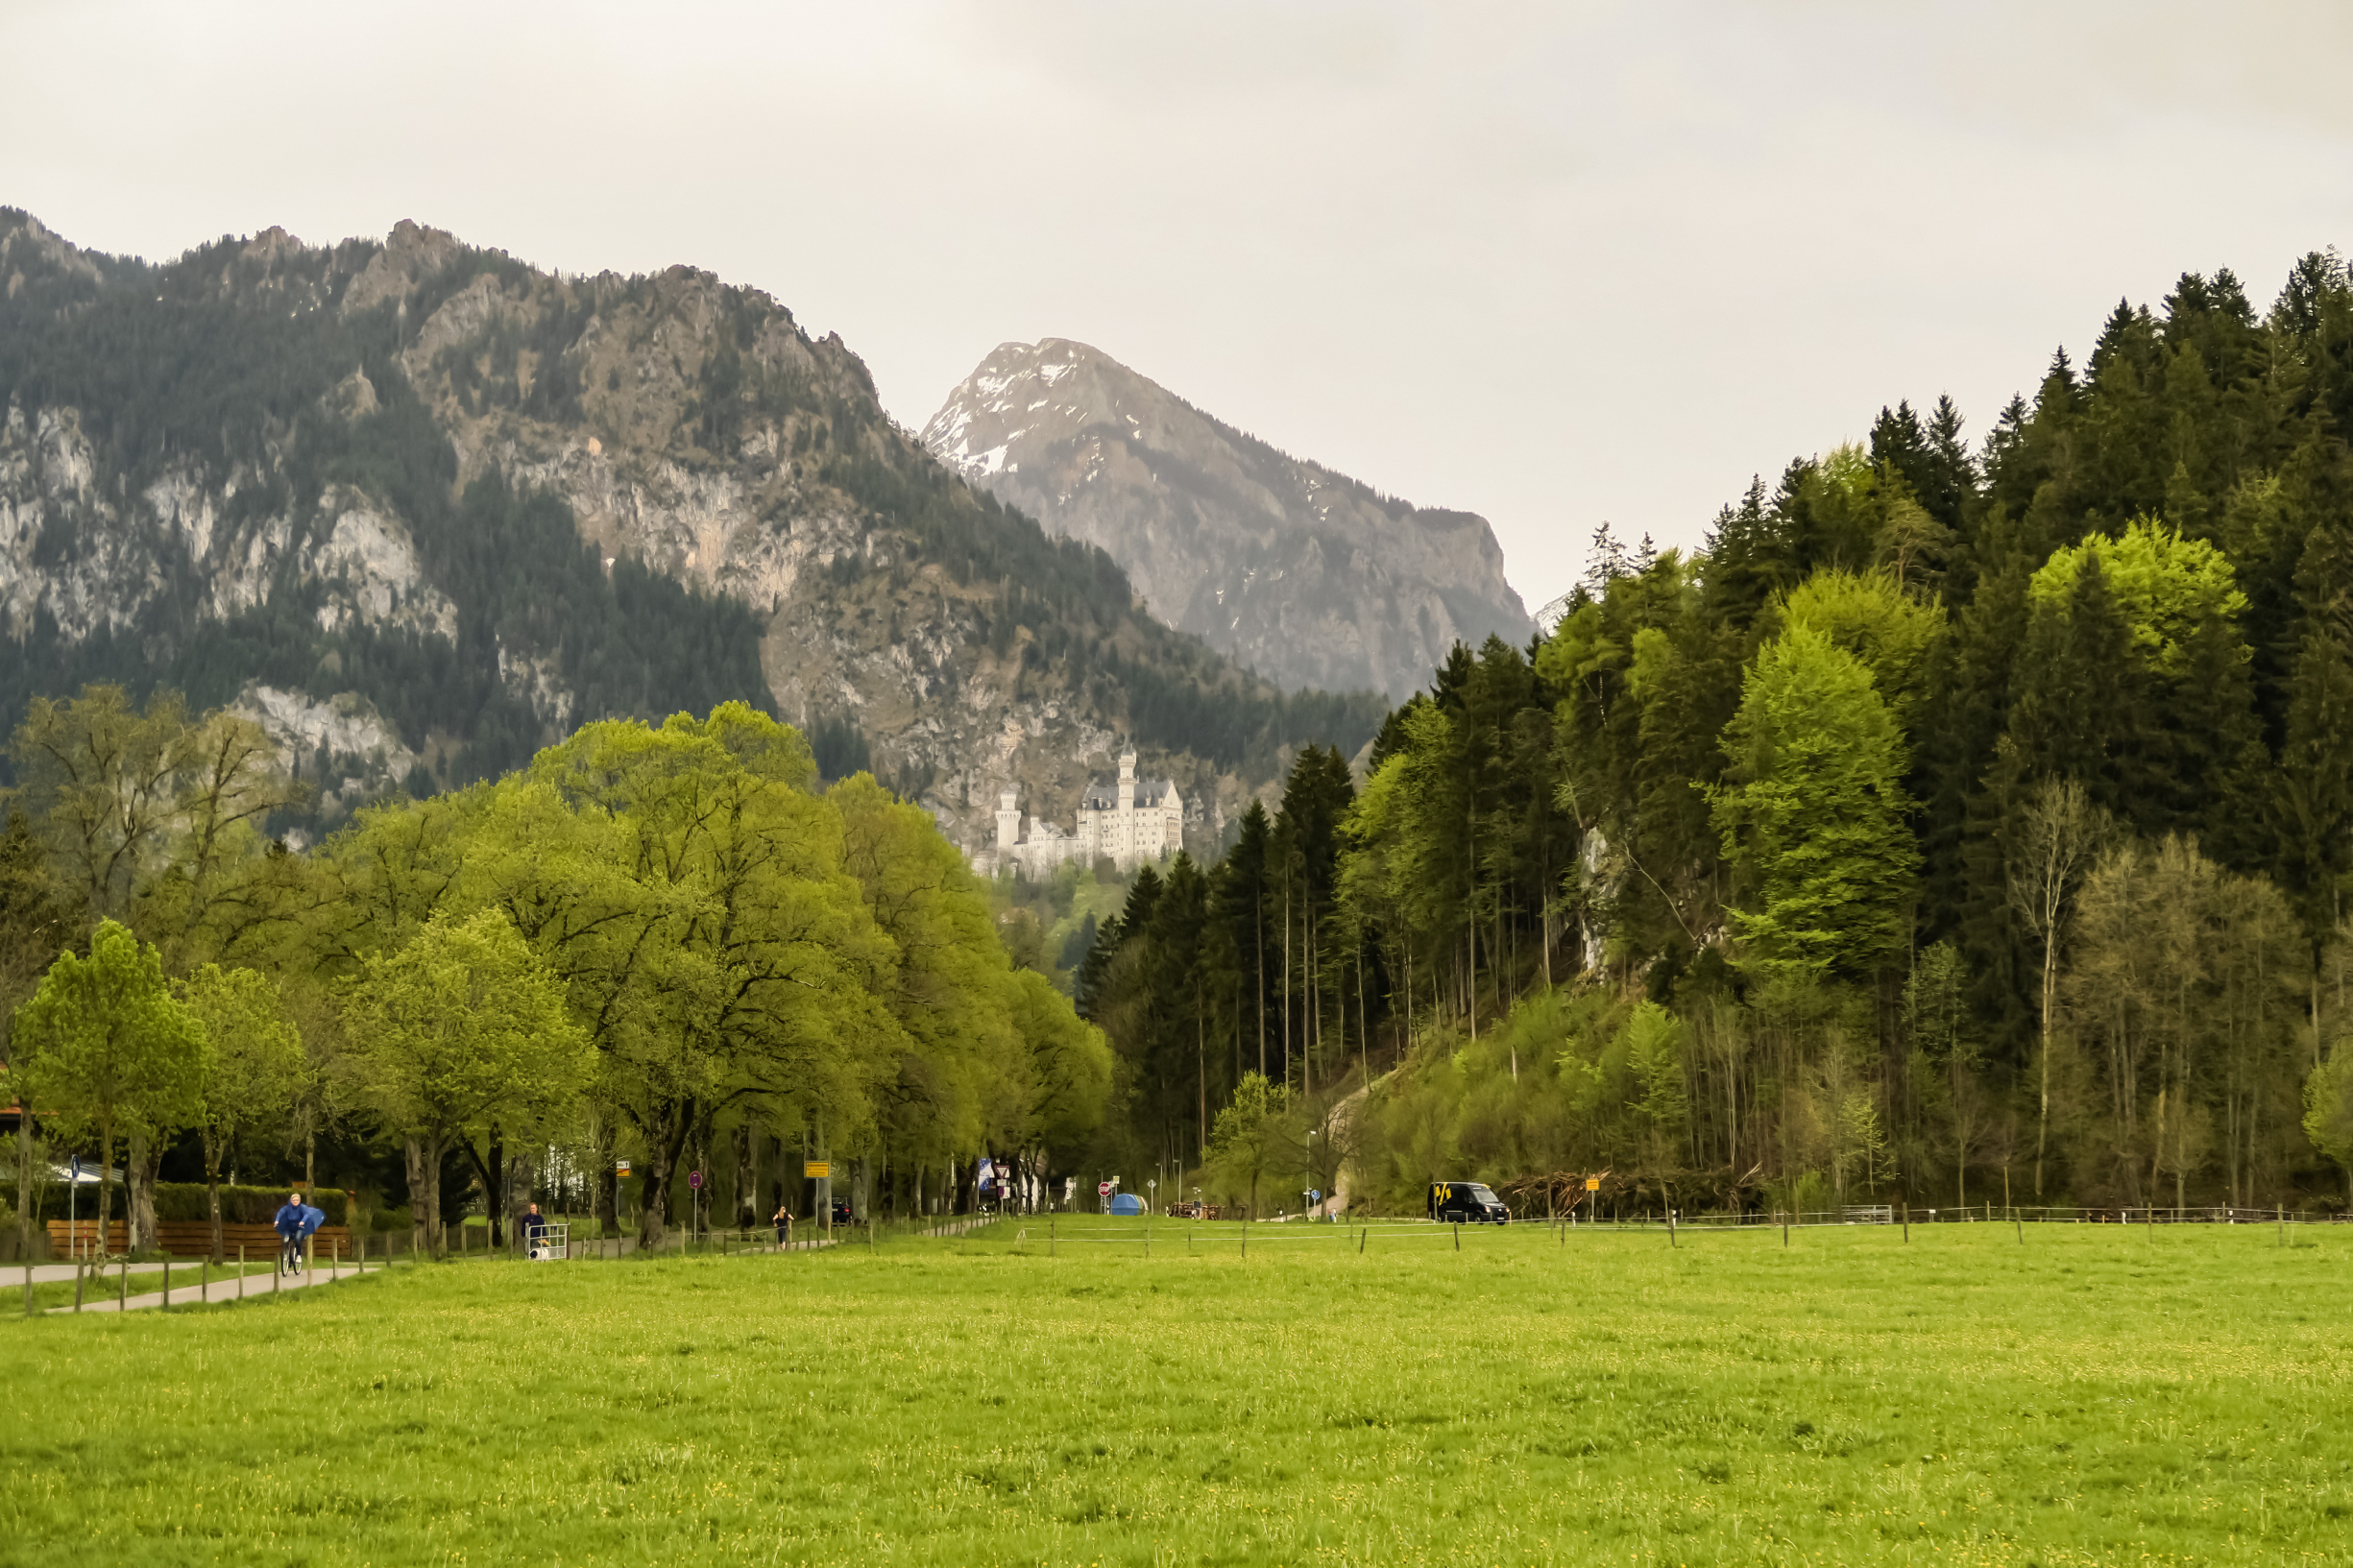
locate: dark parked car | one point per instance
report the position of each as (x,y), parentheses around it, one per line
(1467,1203)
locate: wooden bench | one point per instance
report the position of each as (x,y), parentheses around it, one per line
(193,1238)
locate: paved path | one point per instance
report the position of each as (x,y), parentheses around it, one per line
(63,1273)
(256,1286)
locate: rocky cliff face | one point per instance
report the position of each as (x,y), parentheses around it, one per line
(420,508)
(1306,575)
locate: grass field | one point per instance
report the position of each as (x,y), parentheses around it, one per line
(2097,1394)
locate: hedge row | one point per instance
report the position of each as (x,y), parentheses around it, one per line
(184,1201)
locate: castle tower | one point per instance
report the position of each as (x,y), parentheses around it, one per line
(1008,823)
(1127,780)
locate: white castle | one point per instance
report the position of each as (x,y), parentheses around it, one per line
(1142,820)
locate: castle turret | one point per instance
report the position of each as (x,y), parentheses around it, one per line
(1127,781)
(1008,822)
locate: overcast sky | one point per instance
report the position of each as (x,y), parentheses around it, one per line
(1557,264)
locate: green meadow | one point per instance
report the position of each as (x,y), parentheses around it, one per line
(2094,1395)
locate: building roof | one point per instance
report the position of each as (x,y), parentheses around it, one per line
(1102,795)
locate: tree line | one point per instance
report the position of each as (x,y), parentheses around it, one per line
(1959,824)
(653,945)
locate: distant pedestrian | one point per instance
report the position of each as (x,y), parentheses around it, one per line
(534,1233)
(783,1228)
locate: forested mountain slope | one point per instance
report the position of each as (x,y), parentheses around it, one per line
(1965,820)
(423,509)
(1306,575)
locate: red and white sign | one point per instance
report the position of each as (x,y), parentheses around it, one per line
(1102,1189)
(694,1178)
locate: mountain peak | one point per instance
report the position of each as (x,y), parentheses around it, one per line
(1310,576)
(483,501)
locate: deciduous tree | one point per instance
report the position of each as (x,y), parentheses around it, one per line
(103,1047)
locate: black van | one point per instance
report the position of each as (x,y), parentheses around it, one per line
(1467,1203)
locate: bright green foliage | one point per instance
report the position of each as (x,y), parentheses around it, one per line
(1653,1055)
(1253,1139)
(462,1026)
(1815,813)
(255,1067)
(1869,614)
(2328,1110)
(715,952)
(2167,586)
(102,1048)
(745,956)
(760,974)
(1067,1076)
(963,1084)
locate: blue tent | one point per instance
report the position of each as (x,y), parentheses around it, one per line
(1127,1203)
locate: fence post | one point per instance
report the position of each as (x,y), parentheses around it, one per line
(203,1279)
(1908,1224)
(166,1303)
(122,1289)
(1050,1236)
(77,1267)
(2283,1225)
(240,1270)
(1670,1229)
(2021,1224)
(28,1281)
(1785,1230)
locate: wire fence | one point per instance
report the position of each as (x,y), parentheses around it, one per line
(1992,1214)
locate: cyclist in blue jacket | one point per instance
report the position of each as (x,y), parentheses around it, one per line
(294,1224)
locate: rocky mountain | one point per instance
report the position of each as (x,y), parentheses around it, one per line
(420,508)
(1306,575)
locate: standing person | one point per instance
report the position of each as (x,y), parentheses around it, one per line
(783,1226)
(534,1233)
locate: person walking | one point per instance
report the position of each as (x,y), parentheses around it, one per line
(534,1233)
(294,1223)
(783,1228)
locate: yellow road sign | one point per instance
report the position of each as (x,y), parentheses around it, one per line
(1592,1184)
(817,1168)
